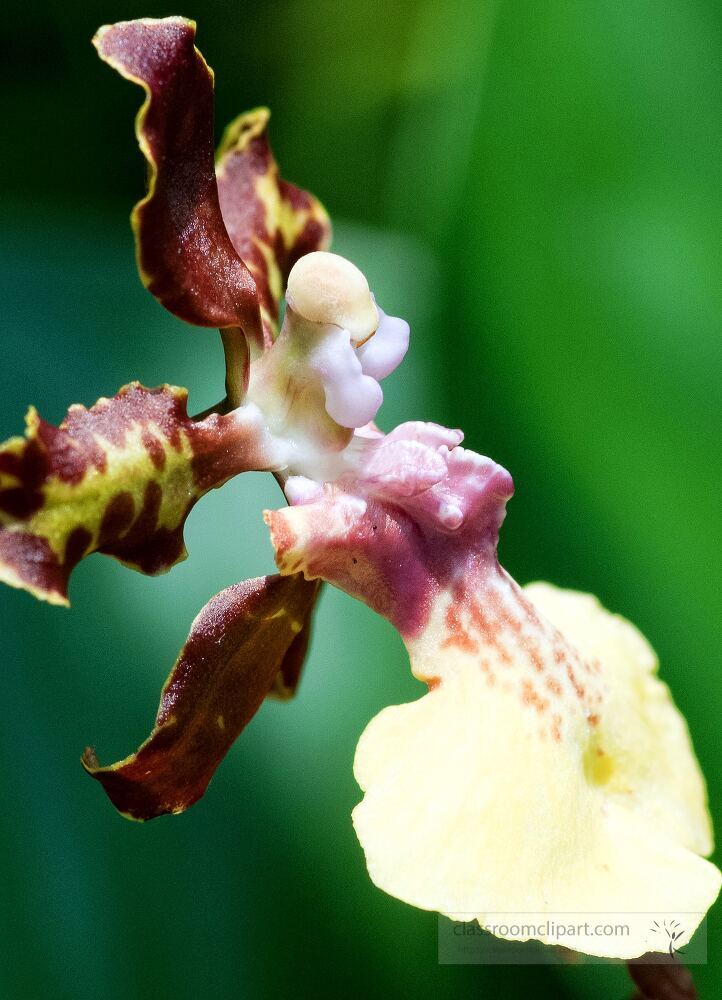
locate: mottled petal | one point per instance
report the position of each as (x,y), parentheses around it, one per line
(271,223)
(185,256)
(240,643)
(119,478)
(547,770)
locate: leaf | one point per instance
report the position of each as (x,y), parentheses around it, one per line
(119,478)
(238,645)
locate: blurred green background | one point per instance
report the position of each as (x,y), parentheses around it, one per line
(536,187)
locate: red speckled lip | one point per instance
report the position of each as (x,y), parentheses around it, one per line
(413,533)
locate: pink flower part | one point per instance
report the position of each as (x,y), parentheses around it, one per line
(352,398)
(412,531)
(385,351)
(402,527)
(350,375)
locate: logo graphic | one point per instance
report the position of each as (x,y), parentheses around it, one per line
(672,930)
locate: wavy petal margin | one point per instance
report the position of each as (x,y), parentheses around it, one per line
(119,478)
(270,222)
(543,708)
(185,257)
(238,646)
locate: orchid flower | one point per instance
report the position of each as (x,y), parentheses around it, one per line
(546,769)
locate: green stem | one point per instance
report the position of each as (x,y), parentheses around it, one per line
(235,350)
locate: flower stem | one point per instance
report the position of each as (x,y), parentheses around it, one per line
(663,979)
(235,350)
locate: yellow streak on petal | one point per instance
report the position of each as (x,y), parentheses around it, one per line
(129,470)
(275,282)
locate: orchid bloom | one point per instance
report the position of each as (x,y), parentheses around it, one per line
(547,769)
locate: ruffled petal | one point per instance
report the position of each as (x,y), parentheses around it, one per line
(647,748)
(398,533)
(547,769)
(497,793)
(185,256)
(119,478)
(239,645)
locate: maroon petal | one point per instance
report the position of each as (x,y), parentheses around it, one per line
(119,478)
(237,647)
(288,677)
(271,223)
(185,256)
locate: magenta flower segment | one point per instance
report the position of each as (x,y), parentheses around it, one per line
(546,769)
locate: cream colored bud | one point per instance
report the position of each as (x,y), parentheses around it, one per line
(326,288)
